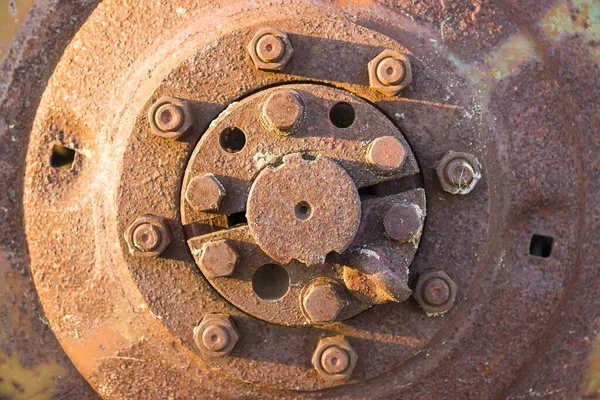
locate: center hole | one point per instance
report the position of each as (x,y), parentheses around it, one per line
(269,47)
(303,210)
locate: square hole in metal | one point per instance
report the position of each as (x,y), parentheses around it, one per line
(541,246)
(62,157)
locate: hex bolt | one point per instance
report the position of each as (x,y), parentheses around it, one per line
(435,292)
(387,153)
(323,301)
(218,258)
(334,358)
(458,172)
(390,71)
(403,221)
(270,49)
(216,335)
(148,236)
(283,110)
(205,193)
(170,117)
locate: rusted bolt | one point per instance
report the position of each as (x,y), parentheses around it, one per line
(218,258)
(334,358)
(403,221)
(323,301)
(205,193)
(270,49)
(216,335)
(435,292)
(147,236)
(387,153)
(458,172)
(390,72)
(283,110)
(170,117)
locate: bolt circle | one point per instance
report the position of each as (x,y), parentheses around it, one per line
(386,153)
(215,338)
(335,360)
(391,71)
(270,48)
(169,117)
(146,237)
(436,292)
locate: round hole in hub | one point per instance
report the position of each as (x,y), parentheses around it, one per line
(342,115)
(270,282)
(303,210)
(232,140)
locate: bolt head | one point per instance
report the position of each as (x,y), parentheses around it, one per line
(404,221)
(435,292)
(218,258)
(205,193)
(458,173)
(323,301)
(148,236)
(216,335)
(386,153)
(270,49)
(282,111)
(334,358)
(170,117)
(390,72)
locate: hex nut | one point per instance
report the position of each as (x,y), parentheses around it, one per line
(205,193)
(216,335)
(386,153)
(435,292)
(334,358)
(159,228)
(391,83)
(276,38)
(323,300)
(403,221)
(177,114)
(458,173)
(283,111)
(218,258)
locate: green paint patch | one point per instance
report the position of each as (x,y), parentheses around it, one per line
(511,56)
(19,382)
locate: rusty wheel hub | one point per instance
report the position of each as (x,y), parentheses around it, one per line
(294,197)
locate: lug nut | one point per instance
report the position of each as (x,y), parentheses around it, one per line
(270,49)
(218,258)
(386,153)
(403,221)
(170,117)
(283,110)
(148,236)
(205,193)
(389,72)
(435,292)
(216,336)
(334,358)
(323,301)
(458,172)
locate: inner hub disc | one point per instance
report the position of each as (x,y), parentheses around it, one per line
(303,209)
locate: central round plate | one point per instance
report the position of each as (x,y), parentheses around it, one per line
(303,209)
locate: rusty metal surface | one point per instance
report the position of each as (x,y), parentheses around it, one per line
(516,85)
